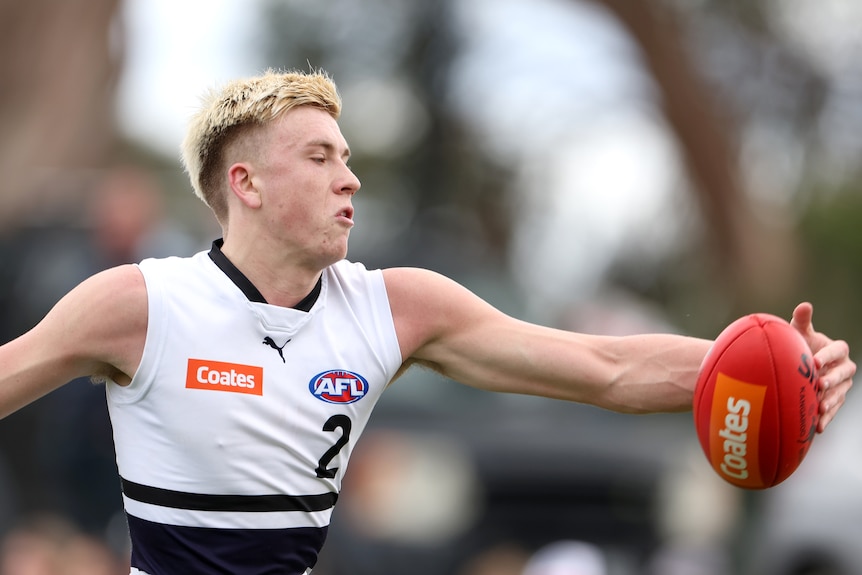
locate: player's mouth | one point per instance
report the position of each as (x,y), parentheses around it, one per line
(346,215)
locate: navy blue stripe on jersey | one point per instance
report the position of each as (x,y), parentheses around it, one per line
(234,503)
(171,550)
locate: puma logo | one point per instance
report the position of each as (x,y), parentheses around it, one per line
(271,343)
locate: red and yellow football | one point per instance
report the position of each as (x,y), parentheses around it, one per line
(756,401)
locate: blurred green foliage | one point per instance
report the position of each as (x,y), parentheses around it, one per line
(831,233)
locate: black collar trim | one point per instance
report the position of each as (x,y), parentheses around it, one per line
(245,285)
(308,301)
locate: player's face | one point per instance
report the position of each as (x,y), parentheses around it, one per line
(307,186)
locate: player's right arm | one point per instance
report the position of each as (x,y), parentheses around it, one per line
(97,329)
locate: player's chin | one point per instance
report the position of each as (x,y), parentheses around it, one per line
(336,250)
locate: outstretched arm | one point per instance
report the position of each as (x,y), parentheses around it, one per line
(98,328)
(444,326)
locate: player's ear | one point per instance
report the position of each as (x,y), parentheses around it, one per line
(242,184)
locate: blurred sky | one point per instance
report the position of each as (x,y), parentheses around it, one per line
(175,51)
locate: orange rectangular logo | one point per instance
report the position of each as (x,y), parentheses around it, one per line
(222,376)
(735,430)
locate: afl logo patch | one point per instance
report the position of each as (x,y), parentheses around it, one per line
(338,386)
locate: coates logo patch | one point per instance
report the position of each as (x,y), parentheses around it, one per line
(338,386)
(734,430)
(222,376)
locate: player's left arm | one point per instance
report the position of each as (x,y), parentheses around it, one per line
(442,325)
(832,357)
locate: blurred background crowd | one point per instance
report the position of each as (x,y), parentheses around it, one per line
(598,165)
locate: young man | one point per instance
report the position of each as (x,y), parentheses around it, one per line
(239,380)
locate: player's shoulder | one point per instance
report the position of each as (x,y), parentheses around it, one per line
(197,274)
(353,275)
(411,283)
(101,322)
(430,307)
(173,264)
(429,297)
(346,266)
(122,281)
(117,292)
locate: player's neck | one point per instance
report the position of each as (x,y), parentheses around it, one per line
(284,279)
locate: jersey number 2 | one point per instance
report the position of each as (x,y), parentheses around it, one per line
(335,422)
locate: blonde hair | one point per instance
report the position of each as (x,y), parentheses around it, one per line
(242,104)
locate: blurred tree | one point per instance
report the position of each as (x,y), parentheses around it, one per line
(753,261)
(789,73)
(832,237)
(761,103)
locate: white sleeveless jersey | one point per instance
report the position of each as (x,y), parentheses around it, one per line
(234,435)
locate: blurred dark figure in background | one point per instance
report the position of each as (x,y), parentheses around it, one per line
(61,455)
